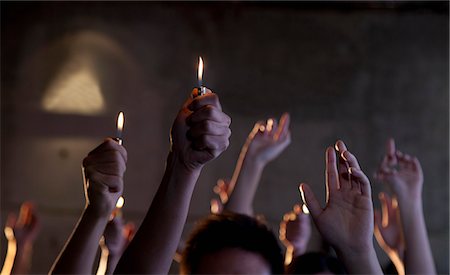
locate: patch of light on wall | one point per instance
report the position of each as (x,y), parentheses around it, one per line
(76,90)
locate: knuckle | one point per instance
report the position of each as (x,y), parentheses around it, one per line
(209,110)
(207,126)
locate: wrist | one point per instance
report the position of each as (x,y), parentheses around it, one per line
(255,161)
(97,212)
(357,261)
(175,162)
(355,251)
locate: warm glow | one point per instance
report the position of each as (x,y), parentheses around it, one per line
(269,124)
(305,209)
(11,252)
(302,194)
(74,91)
(120,202)
(120,121)
(214,206)
(103,263)
(200,70)
(9,233)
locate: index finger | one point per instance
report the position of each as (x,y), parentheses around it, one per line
(283,127)
(390,147)
(209,98)
(332,181)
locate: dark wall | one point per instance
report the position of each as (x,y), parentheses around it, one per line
(358,71)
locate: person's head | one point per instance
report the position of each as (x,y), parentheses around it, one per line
(315,263)
(232,243)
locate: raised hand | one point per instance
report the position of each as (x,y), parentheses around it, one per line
(199,134)
(201,131)
(221,189)
(268,139)
(402,172)
(295,232)
(265,142)
(389,232)
(20,233)
(346,222)
(117,236)
(104,168)
(24,228)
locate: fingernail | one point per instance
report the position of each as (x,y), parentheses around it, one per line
(343,156)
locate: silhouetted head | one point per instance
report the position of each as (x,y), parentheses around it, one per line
(315,263)
(232,243)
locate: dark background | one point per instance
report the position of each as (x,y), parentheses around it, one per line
(360,71)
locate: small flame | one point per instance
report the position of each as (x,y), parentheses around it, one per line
(120,202)
(200,70)
(120,121)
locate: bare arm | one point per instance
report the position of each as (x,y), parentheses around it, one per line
(116,238)
(346,222)
(404,175)
(389,232)
(199,134)
(104,168)
(265,143)
(20,233)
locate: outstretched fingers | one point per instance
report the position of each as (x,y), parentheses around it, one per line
(364,183)
(331,173)
(283,128)
(311,201)
(344,175)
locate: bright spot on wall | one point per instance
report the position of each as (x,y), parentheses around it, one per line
(74,91)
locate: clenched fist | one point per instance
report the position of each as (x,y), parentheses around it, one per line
(103,169)
(200,131)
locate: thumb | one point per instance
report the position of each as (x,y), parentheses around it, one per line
(311,201)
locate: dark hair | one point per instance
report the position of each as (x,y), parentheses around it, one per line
(231,230)
(315,262)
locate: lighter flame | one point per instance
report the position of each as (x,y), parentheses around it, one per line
(200,69)
(120,202)
(120,121)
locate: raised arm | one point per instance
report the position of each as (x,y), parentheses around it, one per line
(295,232)
(20,233)
(403,173)
(265,143)
(116,238)
(199,134)
(346,222)
(389,232)
(104,168)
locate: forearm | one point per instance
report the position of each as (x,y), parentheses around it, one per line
(418,258)
(365,262)
(153,247)
(246,179)
(112,263)
(22,261)
(78,255)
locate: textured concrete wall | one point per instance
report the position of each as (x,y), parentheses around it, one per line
(359,74)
